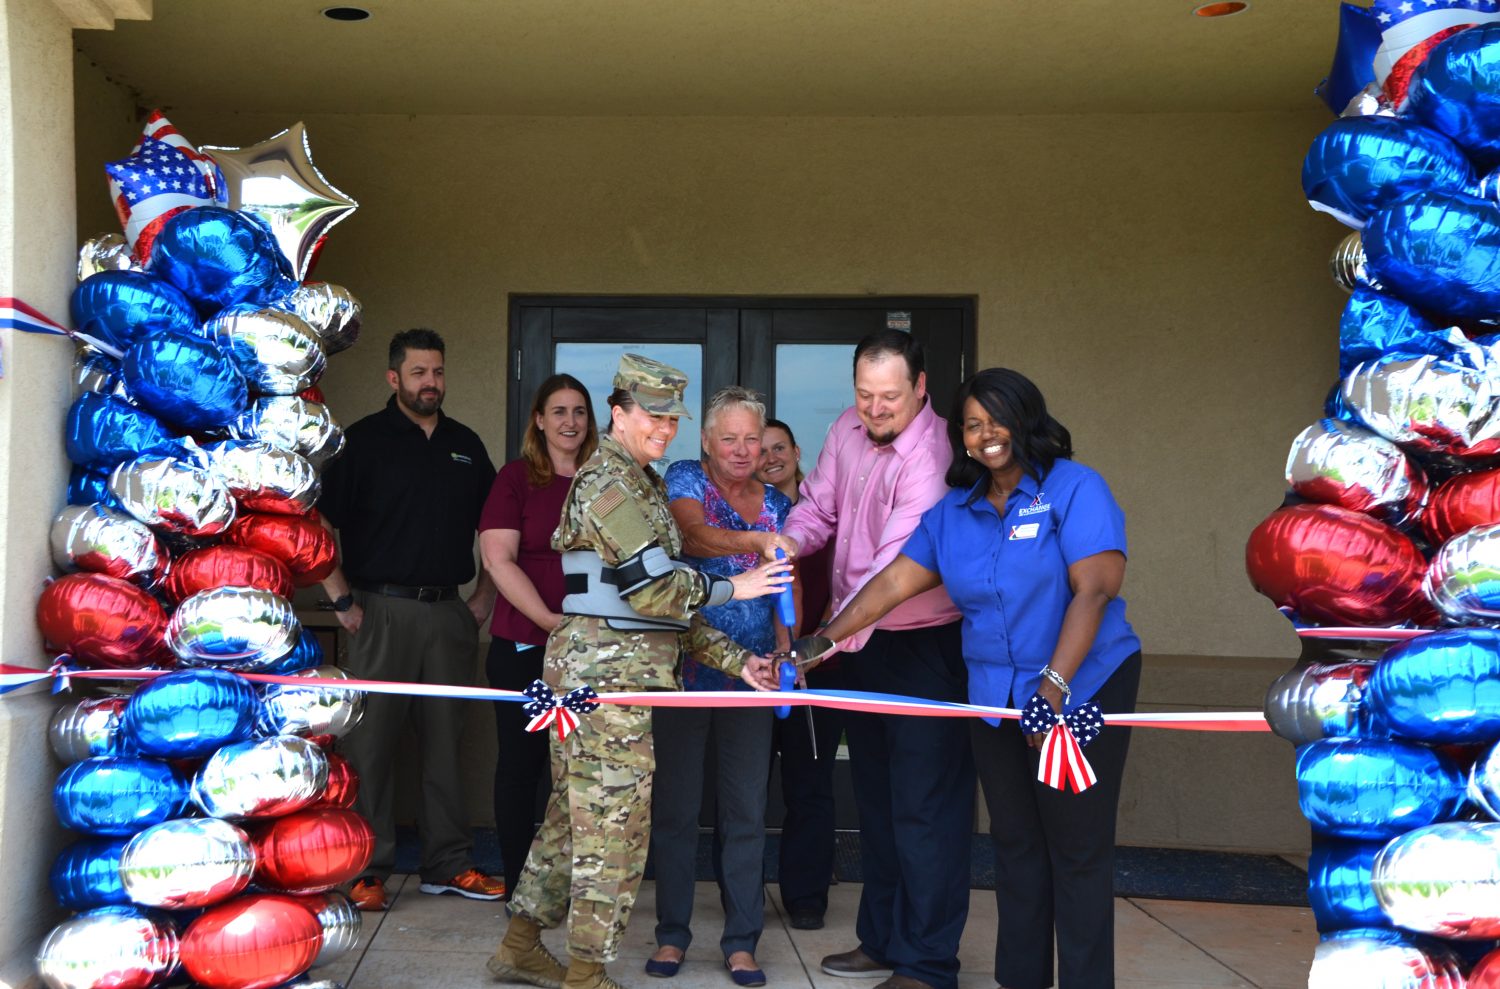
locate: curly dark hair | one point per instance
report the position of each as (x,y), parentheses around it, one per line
(1013,401)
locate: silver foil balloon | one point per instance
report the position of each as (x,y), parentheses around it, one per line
(308,982)
(1317,700)
(1347,265)
(189,862)
(1380,963)
(268,778)
(264,478)
(1443,879)
(106,252)
(1368,102)
(331,310)
(277,181)
(1463,579)
(289,423)
(292,710)
(98,372)
(115,947)
(174,495)
(237,628)
(1426,405)
(341,922)
(276,351)
(1484,782)
(87,728)
(1343,464)
(92,537)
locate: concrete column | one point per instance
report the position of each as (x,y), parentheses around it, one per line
(38,252)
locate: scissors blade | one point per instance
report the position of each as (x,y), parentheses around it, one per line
(812,734)
(810,650)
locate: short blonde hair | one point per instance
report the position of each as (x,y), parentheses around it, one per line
(733,397)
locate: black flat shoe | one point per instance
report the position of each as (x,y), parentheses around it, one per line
(748,977)
(664,969)
(807,921)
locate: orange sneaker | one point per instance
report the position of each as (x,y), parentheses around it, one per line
(369,895)
(471,883)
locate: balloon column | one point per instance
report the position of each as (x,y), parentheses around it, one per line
(1392,520)
(212,815)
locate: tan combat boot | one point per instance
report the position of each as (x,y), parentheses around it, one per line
(522,958)
(588,975)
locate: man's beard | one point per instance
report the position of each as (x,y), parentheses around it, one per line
(420,405)
(881,439)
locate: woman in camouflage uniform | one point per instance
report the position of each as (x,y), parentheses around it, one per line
(630,611)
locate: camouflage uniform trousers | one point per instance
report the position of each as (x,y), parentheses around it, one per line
(587,860)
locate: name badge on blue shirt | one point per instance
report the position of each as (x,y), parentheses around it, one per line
(1026,531)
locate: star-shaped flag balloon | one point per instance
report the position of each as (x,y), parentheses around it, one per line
(163,176)
(278,182)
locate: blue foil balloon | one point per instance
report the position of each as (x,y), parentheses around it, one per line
(86,874)
(305,655)
(1353,58)
(117,307)
(185,380)
(1439,251)
(1457,91)
(1360,165)
(219,257)
(1375,788)
(1441,688)
(118,795)
(88,487)
(1374,324)
(191,713)
(103,432)
(1338,885)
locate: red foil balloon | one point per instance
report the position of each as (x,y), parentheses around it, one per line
(1486,975)
(312,394)
(1335,566)
(103,620)
(254,942)
(343,783)
(227,566)
(312,850)
(299,541)
(1461,503)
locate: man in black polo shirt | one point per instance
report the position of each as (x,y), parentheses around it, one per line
(405,498)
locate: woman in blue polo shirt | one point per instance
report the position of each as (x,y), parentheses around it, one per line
(1031,547)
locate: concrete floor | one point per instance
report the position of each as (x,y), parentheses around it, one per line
(424,942)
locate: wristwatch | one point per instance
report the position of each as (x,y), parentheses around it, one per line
(343,603)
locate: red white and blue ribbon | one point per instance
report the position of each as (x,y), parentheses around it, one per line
(18,315)
(546,709)
(1063,766)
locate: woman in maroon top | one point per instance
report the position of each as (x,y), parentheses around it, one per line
(806,860)
(515,539)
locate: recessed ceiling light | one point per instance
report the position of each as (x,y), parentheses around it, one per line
(346,13)
(1220,9)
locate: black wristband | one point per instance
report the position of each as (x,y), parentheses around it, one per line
(343,603)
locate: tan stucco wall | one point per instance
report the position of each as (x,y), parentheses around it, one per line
(1159,276)
(36,264)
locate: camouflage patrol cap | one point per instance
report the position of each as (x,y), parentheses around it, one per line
(656,387)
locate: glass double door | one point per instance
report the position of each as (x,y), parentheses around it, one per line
(798,353)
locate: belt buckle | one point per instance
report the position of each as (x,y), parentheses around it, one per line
(427,595)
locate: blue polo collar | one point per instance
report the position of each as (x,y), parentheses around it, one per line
(1026,485)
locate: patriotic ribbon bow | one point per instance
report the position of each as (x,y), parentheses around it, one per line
(1063,765)
(547,709)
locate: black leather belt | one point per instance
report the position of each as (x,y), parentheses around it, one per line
(428,594)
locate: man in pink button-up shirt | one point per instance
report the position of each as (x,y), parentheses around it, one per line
(881,467)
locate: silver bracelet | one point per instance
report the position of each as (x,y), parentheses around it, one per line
(1056,679)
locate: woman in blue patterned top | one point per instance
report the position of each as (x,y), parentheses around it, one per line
(730,522)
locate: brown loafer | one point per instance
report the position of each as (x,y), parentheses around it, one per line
(856,965)
(903,982)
